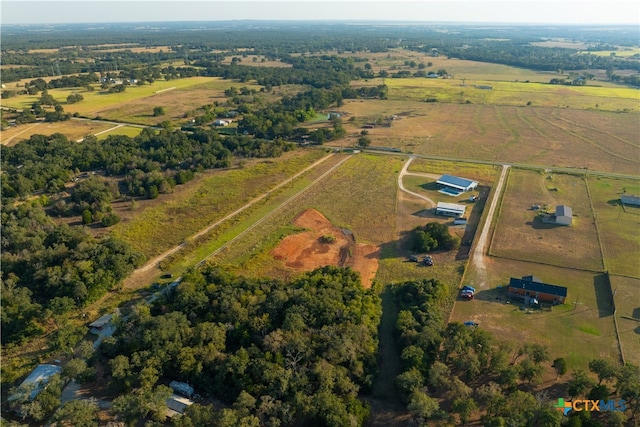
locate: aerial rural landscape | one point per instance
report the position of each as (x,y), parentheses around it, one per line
(320,223)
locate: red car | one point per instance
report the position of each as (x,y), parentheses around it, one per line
(467,294)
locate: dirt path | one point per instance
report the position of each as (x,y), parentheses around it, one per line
(7,141)
(404,172)
(478,256)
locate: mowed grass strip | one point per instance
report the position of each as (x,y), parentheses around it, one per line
(521,234)
(628,316)
(475,171)
(618,225)
(580,330)
(154,226)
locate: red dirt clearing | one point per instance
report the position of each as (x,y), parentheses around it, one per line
(305,251)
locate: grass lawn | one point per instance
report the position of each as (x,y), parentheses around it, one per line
(628,315)
(580,330)
(619,225)
(521,234)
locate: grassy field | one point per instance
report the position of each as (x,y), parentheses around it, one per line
(580,330)
(628,315)
(515,93)
(129,131)
(476,171)
(209,197)
(520,234)
(521,135)
(618,226)
(364,205)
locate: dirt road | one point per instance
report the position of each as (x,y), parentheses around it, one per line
(478,256)
(404,172)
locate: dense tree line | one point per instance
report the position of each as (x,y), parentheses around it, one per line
(48,267)
(276,353)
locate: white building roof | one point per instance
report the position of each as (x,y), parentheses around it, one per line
(451,207)
(99,323)
(177,404)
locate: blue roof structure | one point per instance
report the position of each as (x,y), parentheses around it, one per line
(35,382)
(456,182)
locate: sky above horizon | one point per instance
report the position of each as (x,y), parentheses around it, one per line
(513,11)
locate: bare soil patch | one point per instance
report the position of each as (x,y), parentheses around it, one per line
(306,251)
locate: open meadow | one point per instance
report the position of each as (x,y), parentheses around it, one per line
(548,137)
(618,225)
(625,295)
(521,234)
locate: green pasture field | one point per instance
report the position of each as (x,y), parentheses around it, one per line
(619,226)
(624,52)
(580,330)
(545,137)
(628,315)
(154,226)
(515,93)
(521,234)
(129,131)
(476,171)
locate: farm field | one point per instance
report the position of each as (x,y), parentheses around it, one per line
(628,314)
(518,93)
(521,234)
(579,330)
(546,137)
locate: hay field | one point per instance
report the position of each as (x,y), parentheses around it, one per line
(628,314)
(521,235)
(619,226)
(523,135)
(580,330)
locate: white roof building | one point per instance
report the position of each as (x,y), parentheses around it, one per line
(450,209)
(35,382)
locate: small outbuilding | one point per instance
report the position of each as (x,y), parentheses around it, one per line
(532,289)
(564,215)
(181,388)
(176,405)
(100,324)
(450,209)
(630,200)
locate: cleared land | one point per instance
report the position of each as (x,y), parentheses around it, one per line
(580,330)
(619,225)
(72,129)
(307,250)
(628,315)
(521,234)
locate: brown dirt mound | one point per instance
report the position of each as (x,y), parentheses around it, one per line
(305,251)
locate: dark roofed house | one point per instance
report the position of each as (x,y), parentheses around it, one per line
(530,288)
(630,200)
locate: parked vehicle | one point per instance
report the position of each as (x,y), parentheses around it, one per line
(471,324)
(468,288)
(413,258)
